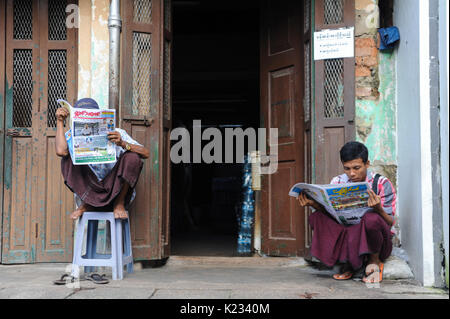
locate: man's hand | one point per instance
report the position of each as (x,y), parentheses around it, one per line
(115,137)
(304,201)
(61,114)
(374,201)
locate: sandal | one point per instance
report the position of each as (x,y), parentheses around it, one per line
(369,278)
(65,279)
(345,273)
(344,276)
(97,279)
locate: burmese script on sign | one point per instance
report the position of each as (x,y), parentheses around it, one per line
(334,44)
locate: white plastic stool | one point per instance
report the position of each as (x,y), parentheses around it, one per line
(121,252)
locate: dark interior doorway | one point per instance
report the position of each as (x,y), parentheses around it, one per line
(216,80)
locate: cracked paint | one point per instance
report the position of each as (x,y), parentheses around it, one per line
(376,120)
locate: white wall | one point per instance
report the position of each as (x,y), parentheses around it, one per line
(406,18)
(419,138)
(443,63)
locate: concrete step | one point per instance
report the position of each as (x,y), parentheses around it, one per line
(256,261)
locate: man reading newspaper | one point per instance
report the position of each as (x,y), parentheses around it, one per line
(101,187)
(369,241)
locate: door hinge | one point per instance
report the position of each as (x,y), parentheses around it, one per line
(37,230)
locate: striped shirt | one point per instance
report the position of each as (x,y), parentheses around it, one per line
(385,190)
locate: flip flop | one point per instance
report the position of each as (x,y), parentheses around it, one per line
(66,278)
(97,279)
(344,276)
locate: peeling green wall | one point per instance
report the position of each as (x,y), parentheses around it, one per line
(376,120)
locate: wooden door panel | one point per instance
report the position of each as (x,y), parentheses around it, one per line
(334,139)
(21,107)
(140,225)
(282,224)
(55,238)
(40,68)
(334,93)
(57,76)
(280,20)
(281,108)
(145,110)
(17,231)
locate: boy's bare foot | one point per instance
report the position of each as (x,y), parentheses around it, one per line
(79,212)
(120,212)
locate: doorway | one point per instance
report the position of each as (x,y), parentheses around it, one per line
(215,79)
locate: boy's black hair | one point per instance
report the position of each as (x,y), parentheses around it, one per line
(354,150)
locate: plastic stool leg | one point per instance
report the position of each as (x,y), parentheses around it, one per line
(91,243)
(114,248)
(77,247)
(128,249)
(119,241)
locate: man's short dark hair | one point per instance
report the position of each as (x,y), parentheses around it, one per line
(354,150)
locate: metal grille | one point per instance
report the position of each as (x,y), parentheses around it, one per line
(23,19)
(22,87)
(167,98)
(167,14)
(307,98)
(57,82)
(142,70)
(334,11)
(57,30)
(142,11)
(334,88)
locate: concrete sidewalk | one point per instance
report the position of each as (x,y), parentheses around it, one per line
(206,278)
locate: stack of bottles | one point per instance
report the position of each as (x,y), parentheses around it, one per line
(247,210)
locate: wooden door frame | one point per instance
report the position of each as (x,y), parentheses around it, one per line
(2,111)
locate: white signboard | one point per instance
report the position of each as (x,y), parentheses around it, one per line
(334,44)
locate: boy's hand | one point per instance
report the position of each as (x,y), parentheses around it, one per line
(304,201)
(61,114)
(374,201)
(115,137)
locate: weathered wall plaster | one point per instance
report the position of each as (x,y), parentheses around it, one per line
(376,119)
(93,52)
(375,91)
(375,82)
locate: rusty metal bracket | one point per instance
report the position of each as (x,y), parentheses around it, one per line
(12,133)
(147,121)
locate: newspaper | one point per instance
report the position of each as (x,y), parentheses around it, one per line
(87,138)
(347,203)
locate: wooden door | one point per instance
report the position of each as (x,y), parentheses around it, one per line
(334,93)
(146,114)
(283,221)
(40,68)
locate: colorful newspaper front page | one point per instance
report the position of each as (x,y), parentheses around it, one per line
(347,203)
(89,143)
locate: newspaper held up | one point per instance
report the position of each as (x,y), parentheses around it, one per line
(88,135)
(347,203)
